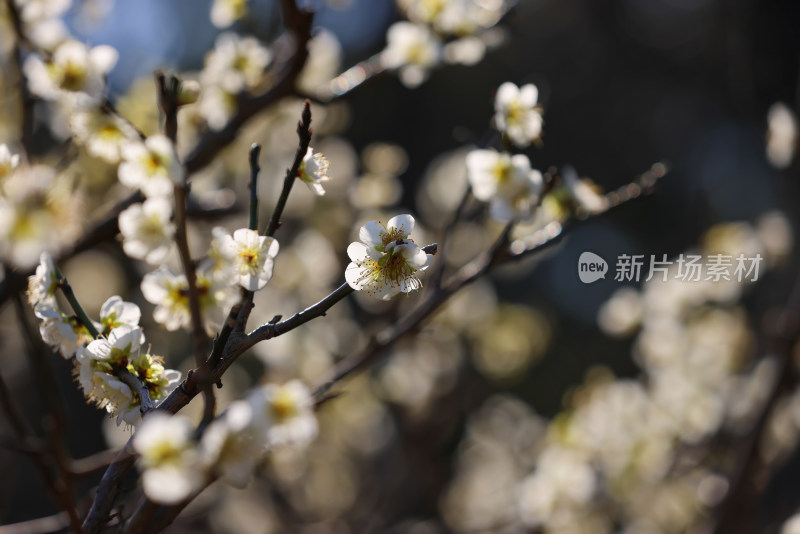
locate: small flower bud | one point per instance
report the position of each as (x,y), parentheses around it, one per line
(188,93)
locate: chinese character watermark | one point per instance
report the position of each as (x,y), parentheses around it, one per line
(686,267)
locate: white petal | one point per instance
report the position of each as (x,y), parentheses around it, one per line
(371,234)
(404,222)
(357,251)
(103,57)
(528,95)
(505,94)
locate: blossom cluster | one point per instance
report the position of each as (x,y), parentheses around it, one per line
(231,447)
(438,31)
(38,209)
(100,363)
(624,451)
(512,188)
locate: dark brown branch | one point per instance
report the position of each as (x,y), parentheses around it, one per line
(146,403)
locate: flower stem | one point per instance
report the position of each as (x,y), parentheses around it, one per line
(66,289)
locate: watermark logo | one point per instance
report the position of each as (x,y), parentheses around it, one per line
(591,267)
(686,267)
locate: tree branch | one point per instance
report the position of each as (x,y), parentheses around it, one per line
(304,134)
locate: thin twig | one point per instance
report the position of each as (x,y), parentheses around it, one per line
(255,153)
(246,296)
(167,101)
(304,134)
(69,294)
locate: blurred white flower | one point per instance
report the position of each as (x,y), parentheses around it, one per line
(314,170)
(323,64)
(792,525)
(42,285)
(216,106)
(233,443)
(413,49)
(517,114)
(563,479)
(8,161)
(384,263)
(236,63)
(252,256)
(782,135)
(104,135)
(74,70)
(507,182)
(226,12)
(171,469)
(147,230)
(583,191)
(288,412)
(621,314)
(170,293)
(152,166)
(39,211)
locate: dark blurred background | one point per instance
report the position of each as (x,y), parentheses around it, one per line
(624,84)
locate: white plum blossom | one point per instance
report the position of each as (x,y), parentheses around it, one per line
(60,331)
(151,167)
(236,63)
(226,12)
(386,261)
(288,412)
(170,460)
(517,113)
(413,49)
(74,70)
(147,230)
(170,293)
(103,134)
(115,312)
(102,361)
(252,256)
(8,161)
(98,361)
(314,170)
(507,182)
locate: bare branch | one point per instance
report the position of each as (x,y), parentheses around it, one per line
(304,134)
